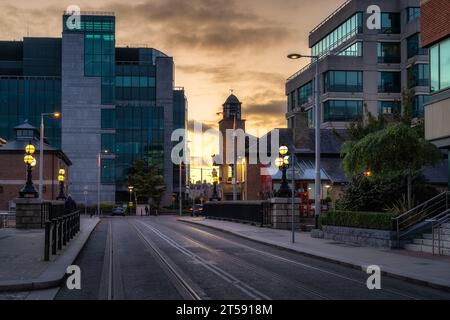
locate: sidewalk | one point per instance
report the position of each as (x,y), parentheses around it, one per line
(415,267)
(21,258)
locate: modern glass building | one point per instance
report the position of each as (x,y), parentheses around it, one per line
(362,70)
(436,37)
(118,104)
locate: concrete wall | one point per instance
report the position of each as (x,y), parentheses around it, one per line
(437,121)
(360,237)
(164,98)
(81,122)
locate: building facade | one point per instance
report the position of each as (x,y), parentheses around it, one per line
(436,36)
(118,105)
(12,155)
(363,70)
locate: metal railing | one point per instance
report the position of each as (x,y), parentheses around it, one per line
(59,231)
(436,230)
(6,218)
(429,209)
(330,16)
(331,51)
(254,212)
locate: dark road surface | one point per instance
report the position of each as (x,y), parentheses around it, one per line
(162,258)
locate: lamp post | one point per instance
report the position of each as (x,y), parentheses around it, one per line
(283,164)
(99,174)
(41,149)
(317,115)
(130,204)
(61,179)
(28,191)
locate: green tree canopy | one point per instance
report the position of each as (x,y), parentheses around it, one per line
(147,181)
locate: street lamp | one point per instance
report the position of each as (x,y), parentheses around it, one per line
(99,173)
(130,204)
(41,149)
(28,190)
(282,162)
(317,115)
(61,179)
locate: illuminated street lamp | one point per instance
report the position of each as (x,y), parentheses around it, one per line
(55,115)
(131,188)
(28,190)
(368,173)
(282,162)
(61,179)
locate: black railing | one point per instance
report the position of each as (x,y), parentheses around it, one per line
(254,212)
(59,231)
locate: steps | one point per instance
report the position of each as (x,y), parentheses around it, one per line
(425,243)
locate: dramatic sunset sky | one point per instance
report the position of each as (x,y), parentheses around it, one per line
(216,44)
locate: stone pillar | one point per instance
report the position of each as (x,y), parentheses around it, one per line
(28,213)
(282,213)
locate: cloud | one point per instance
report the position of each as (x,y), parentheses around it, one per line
(276,108)
(212,25)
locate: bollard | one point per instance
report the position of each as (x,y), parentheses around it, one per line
(48,226)
(64,231)
(60,233)
(54,230)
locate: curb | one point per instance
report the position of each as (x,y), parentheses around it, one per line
(46,281)
(342,262)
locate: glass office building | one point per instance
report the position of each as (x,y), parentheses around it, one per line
(118,104)
(363,69)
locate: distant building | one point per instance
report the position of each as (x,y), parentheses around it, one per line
(436,37)
(248,175)
(120,100)
(13,169)
(362,68)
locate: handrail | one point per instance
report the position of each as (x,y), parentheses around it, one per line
(330,16)
(434,208)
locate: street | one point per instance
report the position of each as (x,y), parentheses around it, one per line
(162,258)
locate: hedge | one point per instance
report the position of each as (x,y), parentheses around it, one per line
(358,219)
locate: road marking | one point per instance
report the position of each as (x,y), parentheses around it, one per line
(296,262)
(111,257)
(240,285)
(191,292)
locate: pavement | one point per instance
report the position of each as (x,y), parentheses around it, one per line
(423,269)
(22,267)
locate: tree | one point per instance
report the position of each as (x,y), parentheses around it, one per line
(148,183)
(396,150)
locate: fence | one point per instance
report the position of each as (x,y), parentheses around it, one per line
(59,231)
(255,212)
(7,219)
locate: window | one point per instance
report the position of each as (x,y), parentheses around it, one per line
(108,118)
(418,75)
(390,23)
(342,110)
(389,52)
(305,94)
(389,107)
(344,32)
(389,82)
(355,50)
(343,81)
(440,66)
(418,108)
(412,13)
(291,101)
(108,171)
(310,116)
(109,142)
(413,46)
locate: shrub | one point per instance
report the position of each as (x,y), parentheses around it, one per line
(355,219)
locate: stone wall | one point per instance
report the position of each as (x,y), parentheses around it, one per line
(28,213)
(282,213)
(362,237)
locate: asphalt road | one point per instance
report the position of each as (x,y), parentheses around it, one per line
(162,258)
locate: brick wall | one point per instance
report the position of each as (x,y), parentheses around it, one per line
(13,178)
(435,21)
